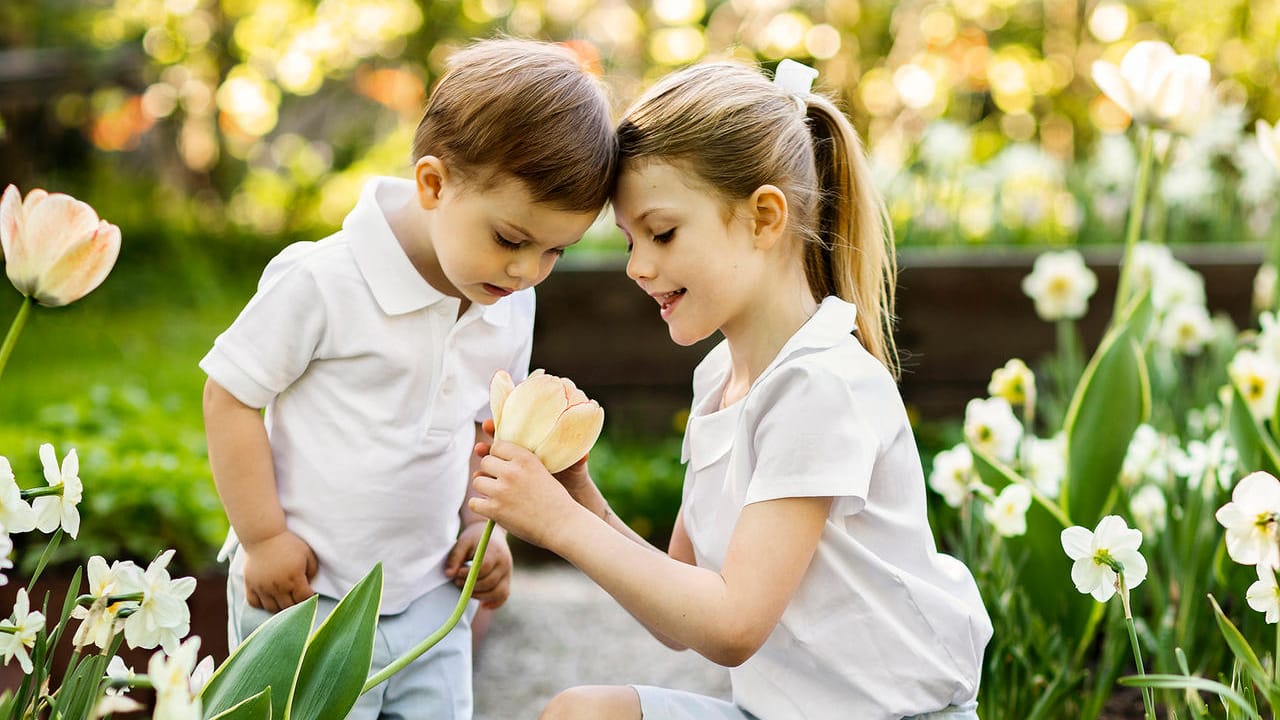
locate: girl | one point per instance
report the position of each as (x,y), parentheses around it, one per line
(802,556)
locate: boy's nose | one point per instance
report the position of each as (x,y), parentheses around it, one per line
(524,266)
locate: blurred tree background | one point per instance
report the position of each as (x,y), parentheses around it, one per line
(225,125)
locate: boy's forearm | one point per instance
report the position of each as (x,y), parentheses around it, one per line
(240,459)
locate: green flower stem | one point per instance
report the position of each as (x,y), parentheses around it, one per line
(15,329)
(1148,700)
(42,491)
(1136,210)
(435,637)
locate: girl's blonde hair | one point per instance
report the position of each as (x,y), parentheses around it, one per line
(737,131)
(528,110)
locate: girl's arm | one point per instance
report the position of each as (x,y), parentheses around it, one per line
(725,616)
(278,564)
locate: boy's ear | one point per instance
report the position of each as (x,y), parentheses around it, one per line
(768,206)
(431,176)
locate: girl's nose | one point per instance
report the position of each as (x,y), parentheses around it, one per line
(639,267)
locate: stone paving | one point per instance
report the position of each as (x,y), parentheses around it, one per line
(559,629)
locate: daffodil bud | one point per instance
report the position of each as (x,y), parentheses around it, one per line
(56,250)
(547,415)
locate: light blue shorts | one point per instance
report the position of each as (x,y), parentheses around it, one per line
(436,685)
(664,704)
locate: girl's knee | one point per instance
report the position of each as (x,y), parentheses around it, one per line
(594,702)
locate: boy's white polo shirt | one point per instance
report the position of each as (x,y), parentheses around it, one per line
(372,385)
(881,626)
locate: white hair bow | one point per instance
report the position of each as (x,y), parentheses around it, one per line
(795,79)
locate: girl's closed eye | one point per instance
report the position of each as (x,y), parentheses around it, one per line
(664,237)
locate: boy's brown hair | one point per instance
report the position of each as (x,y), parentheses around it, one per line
(528,110)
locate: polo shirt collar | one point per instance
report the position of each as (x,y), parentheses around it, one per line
(394,281)
(830,325)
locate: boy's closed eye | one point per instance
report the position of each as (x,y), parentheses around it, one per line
(514,245)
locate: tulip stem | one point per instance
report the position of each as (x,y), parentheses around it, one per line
(15,329)
(435,637)
(1136,210)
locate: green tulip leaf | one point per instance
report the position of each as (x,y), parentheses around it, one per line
(257,707)
(1255,446)
(1244,654)
(339,655)
(1111,401)
(268,658)
(1190,682)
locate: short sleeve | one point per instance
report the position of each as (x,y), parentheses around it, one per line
(275,337)
(811,439)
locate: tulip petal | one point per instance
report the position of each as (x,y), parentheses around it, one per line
(1144,65)
(11,217)
(1112,84)
(500,388)
(531,411)
(81,268)
(577,430)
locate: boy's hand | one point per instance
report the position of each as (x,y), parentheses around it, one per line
(278,572)
(493,583)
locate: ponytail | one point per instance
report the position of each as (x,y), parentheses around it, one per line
(853,256)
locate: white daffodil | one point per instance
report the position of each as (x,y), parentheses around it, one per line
(1014,382)
(162,617)
(1008,512)
(1264,595)
(1186,329)
(1258,378)
(1176,284)
(170,675)
(6,555)
(115,700)
(1100,555)
(1148,457)
(16,515)
(60,509)
(991,426)
(1149,509)
(1158,87)
(1061,285)
(1044,463)
(1251,521)
(101,619)
(953,475)
(1269,141)
(18,633)
(1151,261)
(1213,459)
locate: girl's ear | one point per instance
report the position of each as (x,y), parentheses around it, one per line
(431,176)
(768,216)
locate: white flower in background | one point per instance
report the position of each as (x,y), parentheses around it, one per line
(1158,87)
(1029,180)
(1007,513)
(953,476)
(1264,287)
(100,621)
(1201,422)
(1258,378)
(991,426)
(1269,142)
(162,617)
(946,144)
(1098,555)
(1113,162)
(1148,457)
(1044,463)
(1061,285)
(1189,184)
(115,700)
(170,675)
(16,516)
(1186,329)
(1251,521)
(1259,180)
(1150,262)
(1214,459)
(54,510)
(1269,335)
(1177,284)
(1264,595)
(21,630)
(1149,509)
(1014,382)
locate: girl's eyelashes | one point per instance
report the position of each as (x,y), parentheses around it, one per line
(665,237)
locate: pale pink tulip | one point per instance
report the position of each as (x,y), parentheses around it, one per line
(546,414)
(1158,87)
(56,249)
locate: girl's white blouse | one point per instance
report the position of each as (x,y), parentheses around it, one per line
(882,624)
